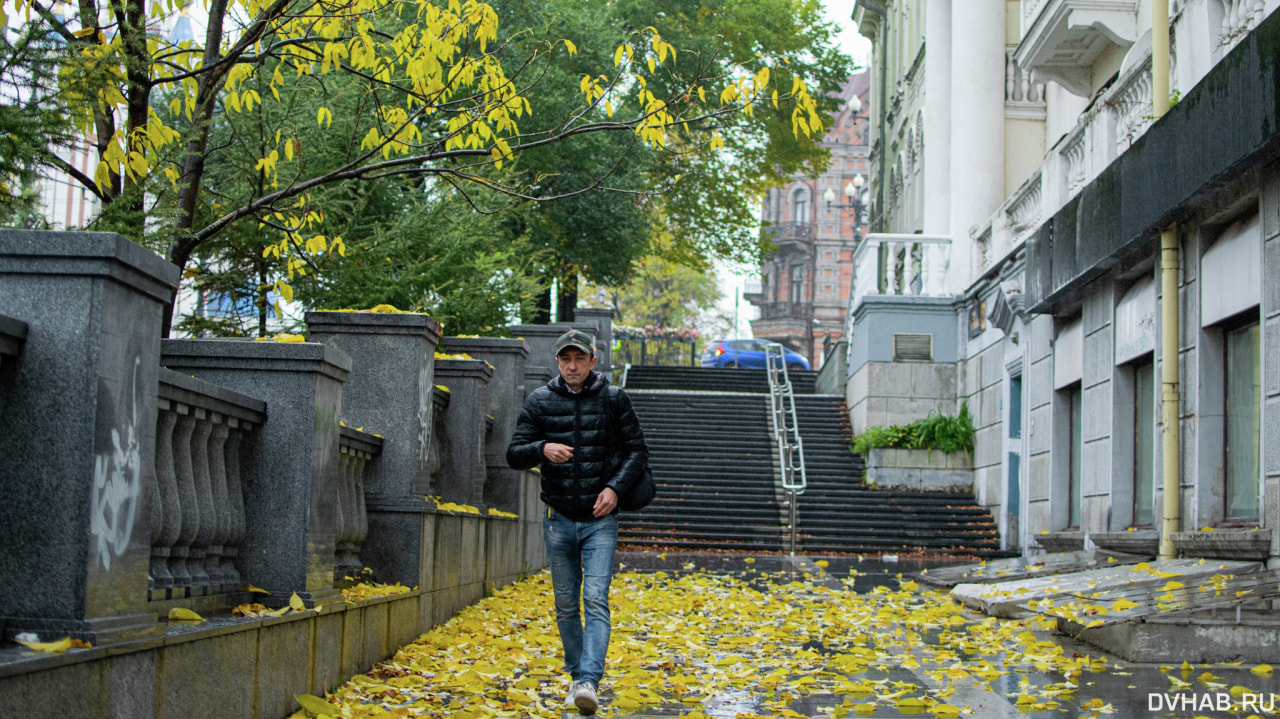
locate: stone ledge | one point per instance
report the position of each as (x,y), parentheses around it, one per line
(1224,544)
(371,323)
(919,470)
(15,661)
(1061,541)
(1145,542)
(1201,639)
(470,345)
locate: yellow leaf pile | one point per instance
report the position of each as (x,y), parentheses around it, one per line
(454,507)
(283,337)
(683,643)
(370,590)
(499,513)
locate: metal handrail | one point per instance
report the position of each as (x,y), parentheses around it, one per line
(786,430)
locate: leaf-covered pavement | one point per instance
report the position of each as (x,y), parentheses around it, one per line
(771,643)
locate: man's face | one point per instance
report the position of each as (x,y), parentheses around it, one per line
(575,365)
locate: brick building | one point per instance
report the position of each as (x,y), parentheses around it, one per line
(816,222)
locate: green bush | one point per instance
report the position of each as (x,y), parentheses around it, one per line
(942,432)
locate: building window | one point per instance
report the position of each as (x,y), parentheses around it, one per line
(1242,409)
(1144,431)
(1075,456)
(800,206)
(797,280)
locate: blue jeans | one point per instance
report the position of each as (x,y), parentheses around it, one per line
(581,559)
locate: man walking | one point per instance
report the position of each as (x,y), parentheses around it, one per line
(586,438)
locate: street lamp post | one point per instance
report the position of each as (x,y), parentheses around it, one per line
(853,193)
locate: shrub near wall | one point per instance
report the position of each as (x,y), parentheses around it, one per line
(932,454)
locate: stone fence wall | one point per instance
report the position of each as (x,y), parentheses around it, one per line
(143,475)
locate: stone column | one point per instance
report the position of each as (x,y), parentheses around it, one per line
(601,322)
(937,145)
(390,392)
(389,389)
(77,434)
(290,474)
(977,128)
(506,397)
(542,338)
(462,467)
(535,376)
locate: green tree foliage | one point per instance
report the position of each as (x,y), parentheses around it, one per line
(444,102)
(661,293)
(703,198)
(33,125)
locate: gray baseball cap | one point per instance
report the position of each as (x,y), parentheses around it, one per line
(575,338)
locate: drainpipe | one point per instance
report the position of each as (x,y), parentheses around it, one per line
(1169,259)
(878,9)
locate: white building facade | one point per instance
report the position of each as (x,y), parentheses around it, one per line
(1033,268)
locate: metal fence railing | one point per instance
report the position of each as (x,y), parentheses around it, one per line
(655,351)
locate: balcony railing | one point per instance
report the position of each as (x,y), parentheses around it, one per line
(887,264)
(784,310)
(791,232)
(1114,122)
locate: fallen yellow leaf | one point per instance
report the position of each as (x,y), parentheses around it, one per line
(57,646)
(315,706)
(178,614)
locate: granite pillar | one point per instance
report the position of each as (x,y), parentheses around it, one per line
(390,391)
(77,435)
(462,461)
(506,397)
(290,475)
(542,340)
(601,322)
(535,376)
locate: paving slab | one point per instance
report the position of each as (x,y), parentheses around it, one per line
(1011,599)
(1018,568)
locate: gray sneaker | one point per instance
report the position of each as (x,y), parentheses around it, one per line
(569,699)
(584,697)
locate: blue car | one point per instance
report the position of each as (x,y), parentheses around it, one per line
(748,354)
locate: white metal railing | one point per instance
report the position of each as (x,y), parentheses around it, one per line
(786,431)
(886,264)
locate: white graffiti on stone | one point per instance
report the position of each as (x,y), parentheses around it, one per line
(117,483)
(425,393)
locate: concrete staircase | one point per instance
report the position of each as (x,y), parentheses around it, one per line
(711,451)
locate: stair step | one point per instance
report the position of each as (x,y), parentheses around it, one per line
(712,453)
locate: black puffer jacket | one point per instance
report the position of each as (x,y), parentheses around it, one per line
(603,455)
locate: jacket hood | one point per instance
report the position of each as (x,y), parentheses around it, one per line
(596,381)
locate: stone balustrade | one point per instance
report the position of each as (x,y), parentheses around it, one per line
(144,475)
(889,264)
(506,392)
(197,501)
(357,451)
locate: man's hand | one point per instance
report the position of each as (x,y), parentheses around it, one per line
(605,503)
(557,453)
